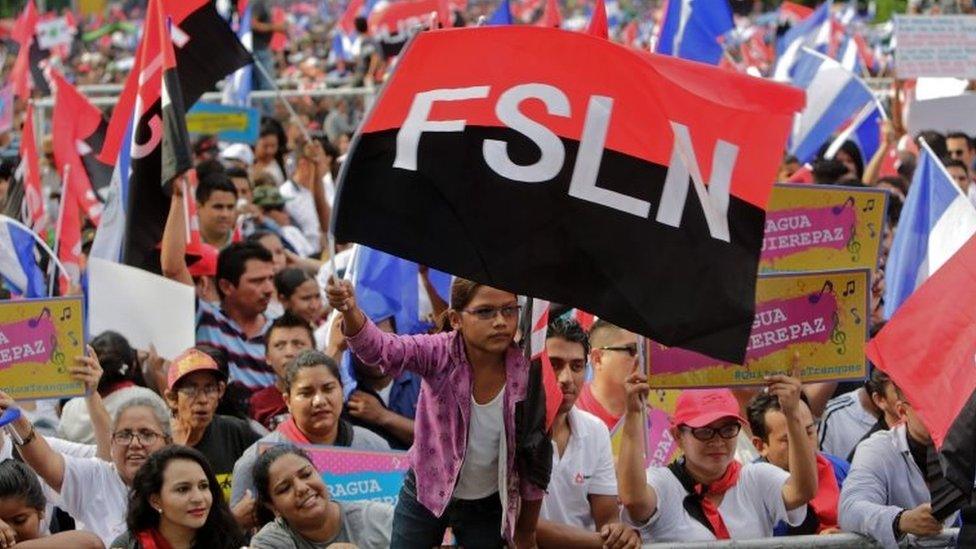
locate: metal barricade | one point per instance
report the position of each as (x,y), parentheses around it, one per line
(836,541)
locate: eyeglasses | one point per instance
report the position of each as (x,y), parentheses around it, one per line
(191,391)
(705,434)
(488,313)
(125,438)
(630,349)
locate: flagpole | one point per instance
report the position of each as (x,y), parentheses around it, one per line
(57,229)
(38,239)
(274,87)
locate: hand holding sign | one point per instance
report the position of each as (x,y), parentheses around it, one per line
(87,370)
(637,391)
(787,388)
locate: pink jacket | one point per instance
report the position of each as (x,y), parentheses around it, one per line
(444,410)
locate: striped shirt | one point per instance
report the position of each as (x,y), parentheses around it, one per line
(245,356)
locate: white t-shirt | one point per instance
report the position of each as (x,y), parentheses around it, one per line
(585,468)
(93,493)
(300,206)
(479,473)
(844,423)
(749,509)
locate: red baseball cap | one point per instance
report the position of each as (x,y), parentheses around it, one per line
(699,407)
(206,262)
(189,361)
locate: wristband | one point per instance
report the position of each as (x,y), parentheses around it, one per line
(894,525)
(28,439)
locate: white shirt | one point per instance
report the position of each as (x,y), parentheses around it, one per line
(584,469)
(479,473)
(93,493)
(844,423)
(300,206)
(749,509)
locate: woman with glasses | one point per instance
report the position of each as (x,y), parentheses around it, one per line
(312,390)
(93,491)
(463,470)
(176,503)
(707,495)
(194,387)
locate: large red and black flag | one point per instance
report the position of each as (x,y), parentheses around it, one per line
(630,185)
(185,50)
(928,349)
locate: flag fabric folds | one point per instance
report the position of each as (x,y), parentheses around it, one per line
(813,32)
(239,84)
(598,21)
(932,361)
(147,120)
(835,95)
(936,220)
(580,196)
(691,28)
(537,351)
(864,131)
(18,262)
(23,34)
(25,200)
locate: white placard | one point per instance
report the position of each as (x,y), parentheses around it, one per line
(944,114)
(144,307)
(935,45)
(53,32)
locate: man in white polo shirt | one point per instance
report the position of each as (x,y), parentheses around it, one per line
(580,508)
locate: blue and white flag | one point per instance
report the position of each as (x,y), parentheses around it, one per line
(502,14)
(109,237)
(812,33)
(834,96)
(849,56)
(864,132)
(691,29)
(238,85)
(935,222)
(18,263)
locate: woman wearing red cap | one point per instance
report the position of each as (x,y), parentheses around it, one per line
(707,495)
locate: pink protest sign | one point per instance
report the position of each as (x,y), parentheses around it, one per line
(39,338)
(821,316)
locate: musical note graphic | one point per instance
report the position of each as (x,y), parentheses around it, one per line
(65,314)
(857,317)
(827,286)
(850,288)
(72,337)
(35,321)
(869,206)
(872,230)
(840,207)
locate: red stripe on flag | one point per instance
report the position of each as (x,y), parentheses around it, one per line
(31,174)
(598,21)
(929,345)
(537,341)
(649,93)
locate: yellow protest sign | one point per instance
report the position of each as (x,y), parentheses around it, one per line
(822,227)
(822,316)
(39,340)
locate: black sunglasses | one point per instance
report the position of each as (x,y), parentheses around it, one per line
(630,349)
(705,434)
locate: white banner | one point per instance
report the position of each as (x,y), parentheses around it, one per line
(935,45)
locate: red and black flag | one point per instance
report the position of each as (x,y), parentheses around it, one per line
(396,22)
(928,348)
(190,37)
(79,131)
(27,72)
(630,185)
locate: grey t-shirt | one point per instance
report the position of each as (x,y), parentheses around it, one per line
(365,524)
(243,479)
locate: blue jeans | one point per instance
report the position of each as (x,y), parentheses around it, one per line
(476,524)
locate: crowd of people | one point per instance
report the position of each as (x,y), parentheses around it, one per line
(210,448)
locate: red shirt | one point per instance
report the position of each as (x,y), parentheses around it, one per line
(588,403)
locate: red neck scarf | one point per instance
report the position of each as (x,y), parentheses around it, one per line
(824,504)
(292,432)
(717,488)
(152,539)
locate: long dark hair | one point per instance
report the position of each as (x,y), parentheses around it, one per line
(220,531)
(262,477)
(462,292)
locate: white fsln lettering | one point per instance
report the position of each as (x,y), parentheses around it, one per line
(408,138)
(714,200)
(583,183)
(553,152)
